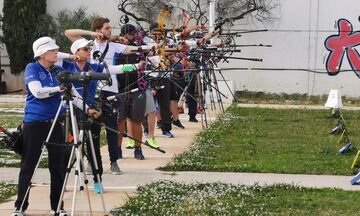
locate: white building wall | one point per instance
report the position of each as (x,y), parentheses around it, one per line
(297,40)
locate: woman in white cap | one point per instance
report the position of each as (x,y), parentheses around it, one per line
(42,101)
(81,49)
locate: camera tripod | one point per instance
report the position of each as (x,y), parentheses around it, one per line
(80,176)
(206,80)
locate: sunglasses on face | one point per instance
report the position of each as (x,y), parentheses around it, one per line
(86,49)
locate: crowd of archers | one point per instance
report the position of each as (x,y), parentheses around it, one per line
(161,67)
(151,73)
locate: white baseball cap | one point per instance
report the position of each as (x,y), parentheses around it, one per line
(80,43)
(42,45)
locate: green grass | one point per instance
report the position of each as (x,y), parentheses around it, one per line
(12,105)
(270,141)
(283,98)
(10,120)
(170,198)
(6,191)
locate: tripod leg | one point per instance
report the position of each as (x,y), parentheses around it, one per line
(200,99)
(80,179)
(42,153)
(79,164)
(220,103)
(227,85)
(68,170)
(182,97)
(203,97)
(96,169)
(74,151)
(207,77)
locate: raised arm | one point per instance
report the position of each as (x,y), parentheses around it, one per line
(75,34)
(119,69)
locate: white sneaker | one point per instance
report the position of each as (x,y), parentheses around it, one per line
(18,213)
(61,213)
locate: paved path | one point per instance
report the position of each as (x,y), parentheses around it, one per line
(118,188)
(9,98)
(135,173)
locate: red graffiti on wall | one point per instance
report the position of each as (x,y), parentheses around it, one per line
(341,44)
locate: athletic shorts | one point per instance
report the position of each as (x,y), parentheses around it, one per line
(150,102)
(132,106)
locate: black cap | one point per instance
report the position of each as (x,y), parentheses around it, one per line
(127,29)
(155,26)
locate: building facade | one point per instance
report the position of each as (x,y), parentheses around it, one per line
(297,60)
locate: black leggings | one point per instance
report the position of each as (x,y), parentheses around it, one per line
(164,96)
(34,135)
(95,131)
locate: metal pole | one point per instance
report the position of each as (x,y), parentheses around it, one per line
(212,16)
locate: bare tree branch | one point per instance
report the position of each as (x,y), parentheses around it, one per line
(123,6)
(147,10)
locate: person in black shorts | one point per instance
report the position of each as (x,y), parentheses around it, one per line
(131,104)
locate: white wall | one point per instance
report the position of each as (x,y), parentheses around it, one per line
(297,38)
(298,42)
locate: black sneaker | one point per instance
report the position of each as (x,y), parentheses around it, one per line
(193,119)
(168,134)
(138,153)
(158,124)
(178,124)
(114,168)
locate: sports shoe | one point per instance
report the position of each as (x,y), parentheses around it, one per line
(114,168)
(181,109)
(18,212)
(146,133)
(98,188)
(178,124)
(88,170)
(193,119)
(138,153)
(167,134)
(131,144)
(61,213)
(158,124)
(151,142)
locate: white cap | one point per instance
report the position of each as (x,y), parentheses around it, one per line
(42,45)
(80,43)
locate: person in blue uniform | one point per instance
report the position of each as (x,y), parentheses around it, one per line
(81,50)
(42,102)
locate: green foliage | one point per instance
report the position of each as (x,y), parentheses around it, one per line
(66,19)
(20,21)
(26,20)
(284,98)
(295,141)
(6,191)
(172,198)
